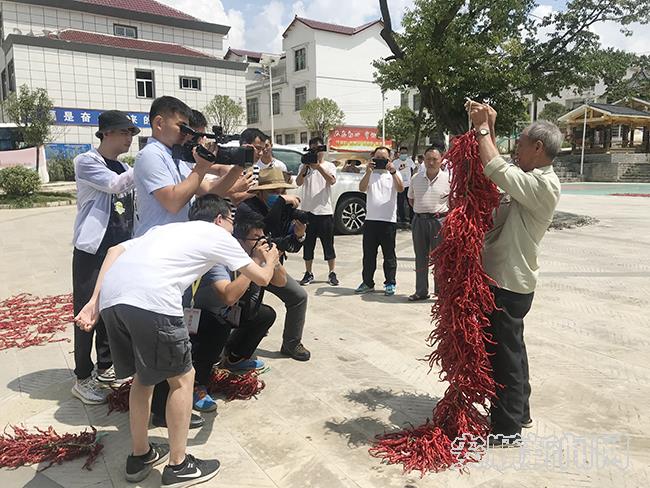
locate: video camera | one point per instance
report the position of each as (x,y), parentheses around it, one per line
(241,156)
(311,156)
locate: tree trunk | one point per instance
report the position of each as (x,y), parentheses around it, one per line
(37,157)
(418,124)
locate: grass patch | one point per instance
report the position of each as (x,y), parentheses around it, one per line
(39,198)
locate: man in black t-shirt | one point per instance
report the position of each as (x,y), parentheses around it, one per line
(104,219)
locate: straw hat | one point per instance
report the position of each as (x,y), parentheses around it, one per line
(271,179)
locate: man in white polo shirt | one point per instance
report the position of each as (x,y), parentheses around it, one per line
(380,228)
(428,195)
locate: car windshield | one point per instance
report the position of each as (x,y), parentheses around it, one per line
(290,158)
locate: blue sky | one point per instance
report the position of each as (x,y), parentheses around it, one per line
(258,24)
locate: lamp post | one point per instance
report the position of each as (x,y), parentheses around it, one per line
(584,135)
(383,118)
(268,61)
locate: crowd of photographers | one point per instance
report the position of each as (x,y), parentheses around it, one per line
(202,230)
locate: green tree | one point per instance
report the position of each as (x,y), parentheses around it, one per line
(400,125)
(30,111)
(553,111)
(637,85)
(321,115)
(497,52)
(225,112)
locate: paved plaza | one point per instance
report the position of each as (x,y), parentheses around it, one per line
(588,338)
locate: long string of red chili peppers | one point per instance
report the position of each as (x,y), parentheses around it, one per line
(236,387)
(459,317)
(24,448)
(26,320)
(118,398)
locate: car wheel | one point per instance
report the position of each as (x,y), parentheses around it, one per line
(350,215)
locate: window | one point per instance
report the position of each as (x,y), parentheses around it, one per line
(290,138)
(300,59)
(5,88)
(190,83)
(278,138)
(125,31)
(290,158)
(144,87)
(416,102)
(12,76)
(276,103)
(252,110)
(301,97)
(303,138)
(404,99)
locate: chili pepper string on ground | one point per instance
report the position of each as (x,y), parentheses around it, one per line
(459,317)
(26,320)
(24,448)
(118,398)
(235,387)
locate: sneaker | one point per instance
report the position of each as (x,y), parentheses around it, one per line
(106,376)
(244,365)
(90,392)
(308,278)
(504,441)
(389,290)
(332,279)
(363,288)
(299,353)
(191,472)
(527,424)
(202,401)
(139,467)
(196,422)
(417,298)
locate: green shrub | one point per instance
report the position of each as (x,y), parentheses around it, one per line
(128,159)
(19,181)
(60,169)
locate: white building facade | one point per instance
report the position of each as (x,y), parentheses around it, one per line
(93,55)
(321,61)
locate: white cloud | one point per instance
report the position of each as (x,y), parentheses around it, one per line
(611,36)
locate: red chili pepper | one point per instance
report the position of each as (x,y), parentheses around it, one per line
(236,387)
(118,398)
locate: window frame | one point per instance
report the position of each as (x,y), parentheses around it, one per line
(256,102)
(189,78)
(273,104)
(296,59)
(144,81)
(124,26)
(289,139)
(295,97)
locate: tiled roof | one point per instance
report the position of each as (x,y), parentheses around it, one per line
(126,43)
(337,29)
(619,110)
(243,52)
(144,6)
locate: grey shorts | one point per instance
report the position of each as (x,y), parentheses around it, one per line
(149,344)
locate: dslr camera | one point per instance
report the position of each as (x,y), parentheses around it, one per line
(240,156)
(380,163)
(311,156)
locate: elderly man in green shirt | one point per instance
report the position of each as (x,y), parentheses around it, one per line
(510,257)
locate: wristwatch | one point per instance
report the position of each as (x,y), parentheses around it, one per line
(483,132)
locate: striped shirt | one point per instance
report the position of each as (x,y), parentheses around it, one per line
(430,196)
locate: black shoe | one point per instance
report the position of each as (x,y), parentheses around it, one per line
(139,467)
(191,472)
(308,278)
(299,353)
(332,279)
(196,422)
(503,440)
(527,424)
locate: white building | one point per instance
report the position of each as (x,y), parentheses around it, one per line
(321,61)
(96,55)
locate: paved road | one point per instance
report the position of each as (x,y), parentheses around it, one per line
(588,337)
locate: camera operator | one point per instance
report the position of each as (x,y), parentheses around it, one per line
(232,315)
(317,176)
(279,212)
(380,228)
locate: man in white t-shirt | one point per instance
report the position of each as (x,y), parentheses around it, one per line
(380,228)
(405,166)
(141,283)
(317,179)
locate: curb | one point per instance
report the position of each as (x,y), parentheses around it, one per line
(59,203)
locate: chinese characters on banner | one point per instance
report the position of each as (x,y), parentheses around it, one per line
(75,116)
(356,139)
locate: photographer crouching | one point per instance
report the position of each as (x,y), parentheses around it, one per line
(286,227)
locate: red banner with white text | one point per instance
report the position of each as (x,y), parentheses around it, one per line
(356,139)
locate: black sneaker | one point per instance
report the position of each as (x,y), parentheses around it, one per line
(299,353)
(332,279)
(191,472)
(503,440)
(308,278)
(196,421)
(139,467)
(527,424)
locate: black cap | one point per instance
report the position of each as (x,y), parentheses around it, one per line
(115,120)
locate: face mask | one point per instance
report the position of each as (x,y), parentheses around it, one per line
(403,157)
(271,199)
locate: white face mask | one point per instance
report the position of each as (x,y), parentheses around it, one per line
(403,157)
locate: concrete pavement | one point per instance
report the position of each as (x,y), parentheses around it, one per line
(588,338)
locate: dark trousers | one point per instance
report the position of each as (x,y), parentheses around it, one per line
(213,336)
(404,209)
(377,234)
(426,237)
(85,269)
(319,227)
(294,298)
(509,361)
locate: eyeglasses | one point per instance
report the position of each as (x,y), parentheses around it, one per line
(229,219)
